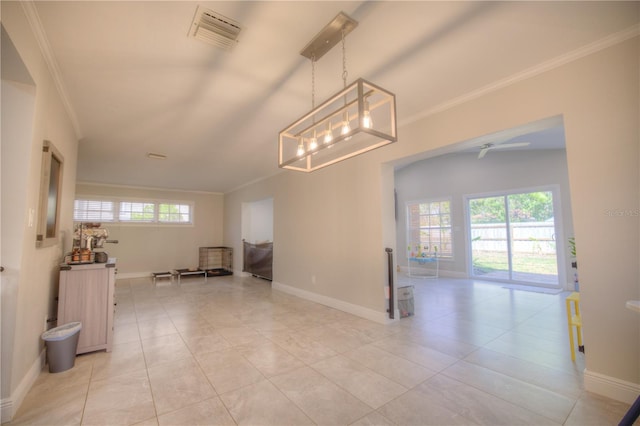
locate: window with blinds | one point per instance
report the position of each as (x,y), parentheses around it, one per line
(90,209)
(93,211)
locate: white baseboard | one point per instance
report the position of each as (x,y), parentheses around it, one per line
(613,388)
(131,275)
(361,311)
(9,406)
(6,410)
(441,273)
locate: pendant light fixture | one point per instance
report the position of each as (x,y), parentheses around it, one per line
(359,118)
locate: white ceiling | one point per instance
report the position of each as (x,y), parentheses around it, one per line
(136,83)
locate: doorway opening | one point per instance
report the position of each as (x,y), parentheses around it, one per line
(257,238)
(531,218)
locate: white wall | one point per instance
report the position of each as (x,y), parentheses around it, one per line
(333,224)
(18,107)
(144,248)
(458,175)
(38,267)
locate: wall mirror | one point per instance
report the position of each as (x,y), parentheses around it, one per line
(50,196)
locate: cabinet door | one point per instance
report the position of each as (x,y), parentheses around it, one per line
(84,298)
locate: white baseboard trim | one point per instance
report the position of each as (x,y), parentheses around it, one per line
(130,275)
(6,410)
(441,273)
(453,274)
(341,305)
(613,388)
(9,406)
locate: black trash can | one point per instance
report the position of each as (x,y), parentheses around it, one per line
(62,343)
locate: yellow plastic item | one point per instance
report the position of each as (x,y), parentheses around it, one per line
(574,320)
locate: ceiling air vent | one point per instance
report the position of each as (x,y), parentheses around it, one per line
(214,28)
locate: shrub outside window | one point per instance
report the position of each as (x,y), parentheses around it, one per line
(174,213)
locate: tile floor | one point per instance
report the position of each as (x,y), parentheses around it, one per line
(232,351)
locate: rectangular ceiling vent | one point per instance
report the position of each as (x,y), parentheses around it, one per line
(214,28)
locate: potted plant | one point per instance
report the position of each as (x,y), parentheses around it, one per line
(572,250)
(574,263)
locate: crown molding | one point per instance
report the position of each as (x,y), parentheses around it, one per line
(147,188)
(543,67)
(31,13)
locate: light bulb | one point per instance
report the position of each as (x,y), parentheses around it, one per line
(300,151)
(367,122)
(328,135)
(345,124)
(313,143)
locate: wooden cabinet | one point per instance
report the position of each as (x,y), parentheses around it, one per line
(86,295)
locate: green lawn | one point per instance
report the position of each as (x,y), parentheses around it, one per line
(490,261)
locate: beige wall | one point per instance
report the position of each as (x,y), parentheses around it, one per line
(36,273)
(145,248)
(334,225)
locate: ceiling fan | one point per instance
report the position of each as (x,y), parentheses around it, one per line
(489,146)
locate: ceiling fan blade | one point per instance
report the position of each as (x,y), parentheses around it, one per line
(483,152)
(511,145)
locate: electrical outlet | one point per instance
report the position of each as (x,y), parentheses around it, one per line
(313,279)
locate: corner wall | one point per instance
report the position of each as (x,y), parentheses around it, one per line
(38,271)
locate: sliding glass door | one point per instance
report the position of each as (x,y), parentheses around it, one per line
(512,237)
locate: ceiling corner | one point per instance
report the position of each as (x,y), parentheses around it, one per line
(31,13)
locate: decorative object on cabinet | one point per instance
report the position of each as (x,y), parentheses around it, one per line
(258,259)
(87,237)
(216,261)
(87,295)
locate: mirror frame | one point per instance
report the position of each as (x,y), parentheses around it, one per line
(50,196)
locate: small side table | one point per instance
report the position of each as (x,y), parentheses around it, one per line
(422,261)
(166,274)
(181,272)
(574,320)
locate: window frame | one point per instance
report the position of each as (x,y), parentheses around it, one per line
(102,200)
(153,221)
(448,254)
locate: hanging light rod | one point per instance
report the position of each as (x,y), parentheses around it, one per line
(329,36)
